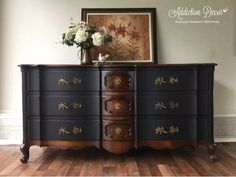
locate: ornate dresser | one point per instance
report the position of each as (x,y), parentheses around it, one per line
(117,107)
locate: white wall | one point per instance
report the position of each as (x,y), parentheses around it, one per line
(31,31)
(235,30)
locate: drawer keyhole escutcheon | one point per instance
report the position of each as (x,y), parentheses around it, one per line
(161,130)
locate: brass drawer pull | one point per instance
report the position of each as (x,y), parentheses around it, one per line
(171,80)
(73,106)
(74,131)
(161,105)
(118,130)
(75,81)
(117,81)
(161,130)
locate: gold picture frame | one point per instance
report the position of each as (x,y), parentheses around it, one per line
(133,33)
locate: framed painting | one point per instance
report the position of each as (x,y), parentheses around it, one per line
(133,33)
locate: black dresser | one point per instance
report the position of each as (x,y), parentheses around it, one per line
(117,107)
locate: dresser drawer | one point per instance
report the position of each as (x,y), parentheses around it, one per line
(63,105)
(63,79)
(64,130)
(118,130)
(203,104)
(155,104)
(118,105)
(167,129)
(166,79)
(117,80)
(80,117)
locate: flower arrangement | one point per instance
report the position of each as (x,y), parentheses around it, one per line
(86,36)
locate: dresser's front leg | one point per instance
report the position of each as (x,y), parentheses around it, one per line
(25,153)
(211,151)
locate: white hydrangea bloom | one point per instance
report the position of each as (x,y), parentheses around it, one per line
(69,35)
(97,39)
(81,36)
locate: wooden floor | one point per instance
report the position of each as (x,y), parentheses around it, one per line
(187,161)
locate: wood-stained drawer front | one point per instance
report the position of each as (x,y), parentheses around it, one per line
(117,80)
(118,130)
(118,105)
(167,129)
(64,130)
(63,105)
(63,79)
(154,104)
(166,79)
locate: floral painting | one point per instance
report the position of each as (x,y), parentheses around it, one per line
(131,36)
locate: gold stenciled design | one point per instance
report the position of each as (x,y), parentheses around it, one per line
(161,80)
(63,105)
(161,130)
(75,81)
(74,131)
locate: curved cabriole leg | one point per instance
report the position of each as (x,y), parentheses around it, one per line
(25,152)
(211,150)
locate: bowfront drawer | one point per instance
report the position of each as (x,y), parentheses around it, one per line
(154,104)
(118,130)
(166,79)
(63,105)
(63,79)
(167,129)
(117,80)
(64,130)
(118,105)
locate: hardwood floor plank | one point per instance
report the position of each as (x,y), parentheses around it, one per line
(165,170)
(77,163)
(36,159)
(10,163)
(120,170)
(48,157)
(56,164)
(166,158)
(184,166)
(152,164)
(131,166)
(142,164)
(50,161)
(191,159)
